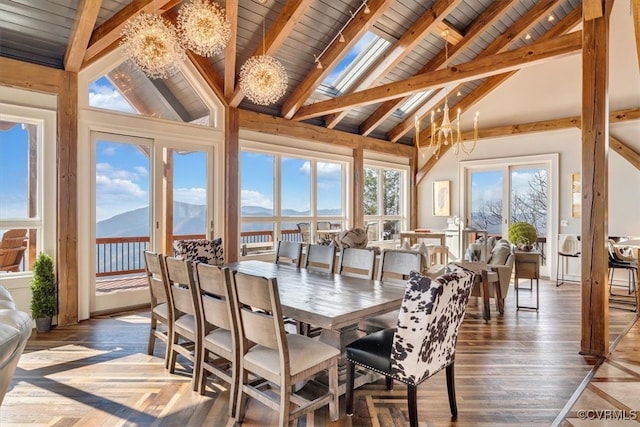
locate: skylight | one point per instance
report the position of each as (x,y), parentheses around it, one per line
(354,64)
(411,103)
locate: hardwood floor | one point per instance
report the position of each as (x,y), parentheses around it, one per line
(518,369)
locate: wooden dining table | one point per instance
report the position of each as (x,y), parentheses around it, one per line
(332,302)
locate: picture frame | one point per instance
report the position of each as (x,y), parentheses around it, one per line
(576,195)
(442,198)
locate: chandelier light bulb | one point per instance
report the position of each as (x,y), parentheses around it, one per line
(204,27)
(151,44)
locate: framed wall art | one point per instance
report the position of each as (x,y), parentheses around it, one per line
(441,198)
(576,195)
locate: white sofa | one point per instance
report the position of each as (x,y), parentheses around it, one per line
(15,330)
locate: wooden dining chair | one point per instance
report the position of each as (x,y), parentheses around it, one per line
(320,258)
(287,251)
(267,352)
(394,268)
(356,262)
(161,314)
(218,330)
(424,341)
(186,315)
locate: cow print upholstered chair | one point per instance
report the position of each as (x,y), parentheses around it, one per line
(424,341)
(201,250)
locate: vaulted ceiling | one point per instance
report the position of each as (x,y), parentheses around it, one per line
(487,42)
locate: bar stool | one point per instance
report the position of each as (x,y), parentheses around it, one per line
(569,248)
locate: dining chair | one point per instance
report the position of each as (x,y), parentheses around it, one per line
(161,313)
(218,330)
(287,251)
(356,262)
(320,258)
(186,315)
(268,352)
(438,257)
(423,343)
(569,247)
(394,268)
(305,231)
(201,250)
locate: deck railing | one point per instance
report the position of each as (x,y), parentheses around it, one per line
(117,256)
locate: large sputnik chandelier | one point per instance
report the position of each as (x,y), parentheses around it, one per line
(203,27)
(263,79)
(448,132)
(151,43)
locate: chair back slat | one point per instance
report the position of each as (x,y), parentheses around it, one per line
(428,323)
(395,265)
(181,284)
(260,314)
(356,262)
(288,251)
(320,258)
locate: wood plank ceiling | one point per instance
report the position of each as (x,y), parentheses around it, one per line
(488,42)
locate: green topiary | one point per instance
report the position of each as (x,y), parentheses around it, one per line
(43,288)
(523,235)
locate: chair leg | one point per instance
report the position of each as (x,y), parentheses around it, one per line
(349,387)
(412,402)
(451,390)
(389,383)
(152,335)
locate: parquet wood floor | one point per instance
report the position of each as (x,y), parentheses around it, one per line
(520,369)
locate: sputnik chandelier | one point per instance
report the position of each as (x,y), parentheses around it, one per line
(263,79)
(448,132)
(152,44)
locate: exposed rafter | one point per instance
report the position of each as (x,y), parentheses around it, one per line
(635,10)
(484,21)
(354,31)
(230,50)
(472,70)
(424,25)
(276,36)
(540,126)
(81,34)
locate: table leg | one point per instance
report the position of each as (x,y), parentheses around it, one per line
(499,299)
(486,306)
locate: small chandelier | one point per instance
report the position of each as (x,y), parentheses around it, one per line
(263,79)
(151,43)
(203,27)
(448,132)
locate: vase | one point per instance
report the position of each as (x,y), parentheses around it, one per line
(43,324)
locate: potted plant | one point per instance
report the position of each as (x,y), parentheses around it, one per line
(43,292)
(523,235)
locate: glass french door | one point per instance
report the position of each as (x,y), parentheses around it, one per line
(147,194)
(501,194)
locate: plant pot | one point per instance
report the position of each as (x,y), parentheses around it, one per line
(43,324)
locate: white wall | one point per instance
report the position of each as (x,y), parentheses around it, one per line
(548,91)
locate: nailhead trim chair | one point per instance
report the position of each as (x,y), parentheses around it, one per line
(201,250)
(423,343)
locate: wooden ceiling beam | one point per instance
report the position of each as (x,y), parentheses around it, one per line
(485,20)
(635,10)
(231,49)
(352,34)
(626,152)
(424,25)
(266,123)
(617,116)
(475,69)
(279,31)
(209,74)
(86,17)
(105,37)
(592,9)
(506,40)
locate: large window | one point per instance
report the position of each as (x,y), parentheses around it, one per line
(27,190)
(384,202)
(290,198)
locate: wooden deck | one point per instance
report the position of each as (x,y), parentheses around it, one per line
(521,369)
(123,284)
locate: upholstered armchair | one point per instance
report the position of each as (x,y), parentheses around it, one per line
(202,250)
(501,260)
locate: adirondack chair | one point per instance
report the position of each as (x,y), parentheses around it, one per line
(12,247)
